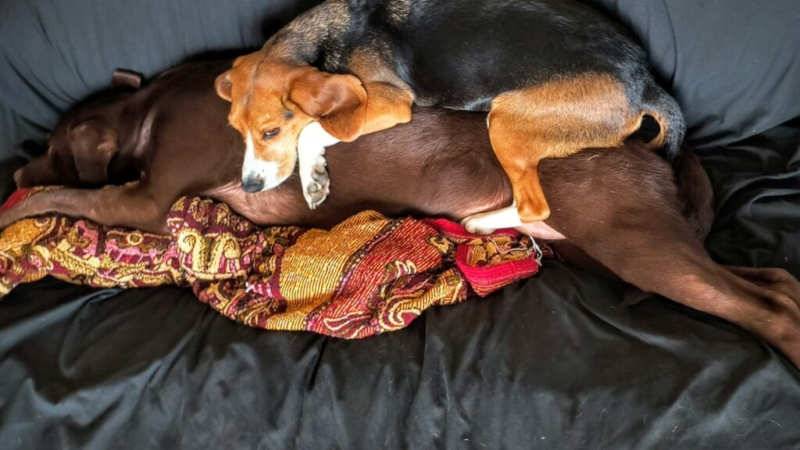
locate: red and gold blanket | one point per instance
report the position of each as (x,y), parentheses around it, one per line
(368,275)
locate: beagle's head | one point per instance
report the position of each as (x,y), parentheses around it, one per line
(272,100)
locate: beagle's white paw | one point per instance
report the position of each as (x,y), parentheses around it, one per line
(489,222)
(312,166)
(317,189)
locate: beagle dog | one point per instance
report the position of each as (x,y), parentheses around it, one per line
(555,76)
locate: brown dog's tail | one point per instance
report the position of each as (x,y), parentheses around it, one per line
(694,192)
(658,104)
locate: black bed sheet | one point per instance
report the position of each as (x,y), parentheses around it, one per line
(549,362)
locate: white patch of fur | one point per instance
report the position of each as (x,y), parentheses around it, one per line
(314,136)
(256,168)
(310,147)
(488,222)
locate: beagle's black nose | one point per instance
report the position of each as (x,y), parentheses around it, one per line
(253,185)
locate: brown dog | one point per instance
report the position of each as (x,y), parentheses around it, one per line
(174,131)
(556,77)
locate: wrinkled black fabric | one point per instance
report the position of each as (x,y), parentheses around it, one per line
(54,53)
(733,65)
(551,362)
(757,192)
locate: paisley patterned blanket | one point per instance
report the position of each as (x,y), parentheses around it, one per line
(368,275)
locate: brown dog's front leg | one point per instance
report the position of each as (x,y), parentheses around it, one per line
(131,206)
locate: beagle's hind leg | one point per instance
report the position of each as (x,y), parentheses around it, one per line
(488,222)
(555,120)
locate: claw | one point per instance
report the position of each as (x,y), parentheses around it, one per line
(320,177)
(317,186)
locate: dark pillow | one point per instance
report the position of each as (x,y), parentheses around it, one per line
(733,64)
(54,53)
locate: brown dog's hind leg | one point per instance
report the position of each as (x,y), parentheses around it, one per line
(631,222)
(682,271)
(555,120)
(654,249)
(131,205)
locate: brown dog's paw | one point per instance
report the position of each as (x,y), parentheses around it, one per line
(772,278)
(778,291)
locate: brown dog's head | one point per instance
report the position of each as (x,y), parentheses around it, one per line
(78,154)
(83,143)
(273,100)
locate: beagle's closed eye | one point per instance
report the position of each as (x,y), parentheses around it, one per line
(269,134)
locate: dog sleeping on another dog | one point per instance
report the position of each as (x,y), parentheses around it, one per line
(555,77)
(645,223)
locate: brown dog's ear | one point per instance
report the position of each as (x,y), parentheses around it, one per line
(126,78)
(223,85)
(338,102)
(93,145)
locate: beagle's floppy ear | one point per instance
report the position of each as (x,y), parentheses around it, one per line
(338,102)
(223,86)
(93,146)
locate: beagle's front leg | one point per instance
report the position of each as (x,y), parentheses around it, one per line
(387,106)
(311,163)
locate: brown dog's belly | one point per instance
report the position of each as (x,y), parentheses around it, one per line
(279,206)
(440,166)
(285,205)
